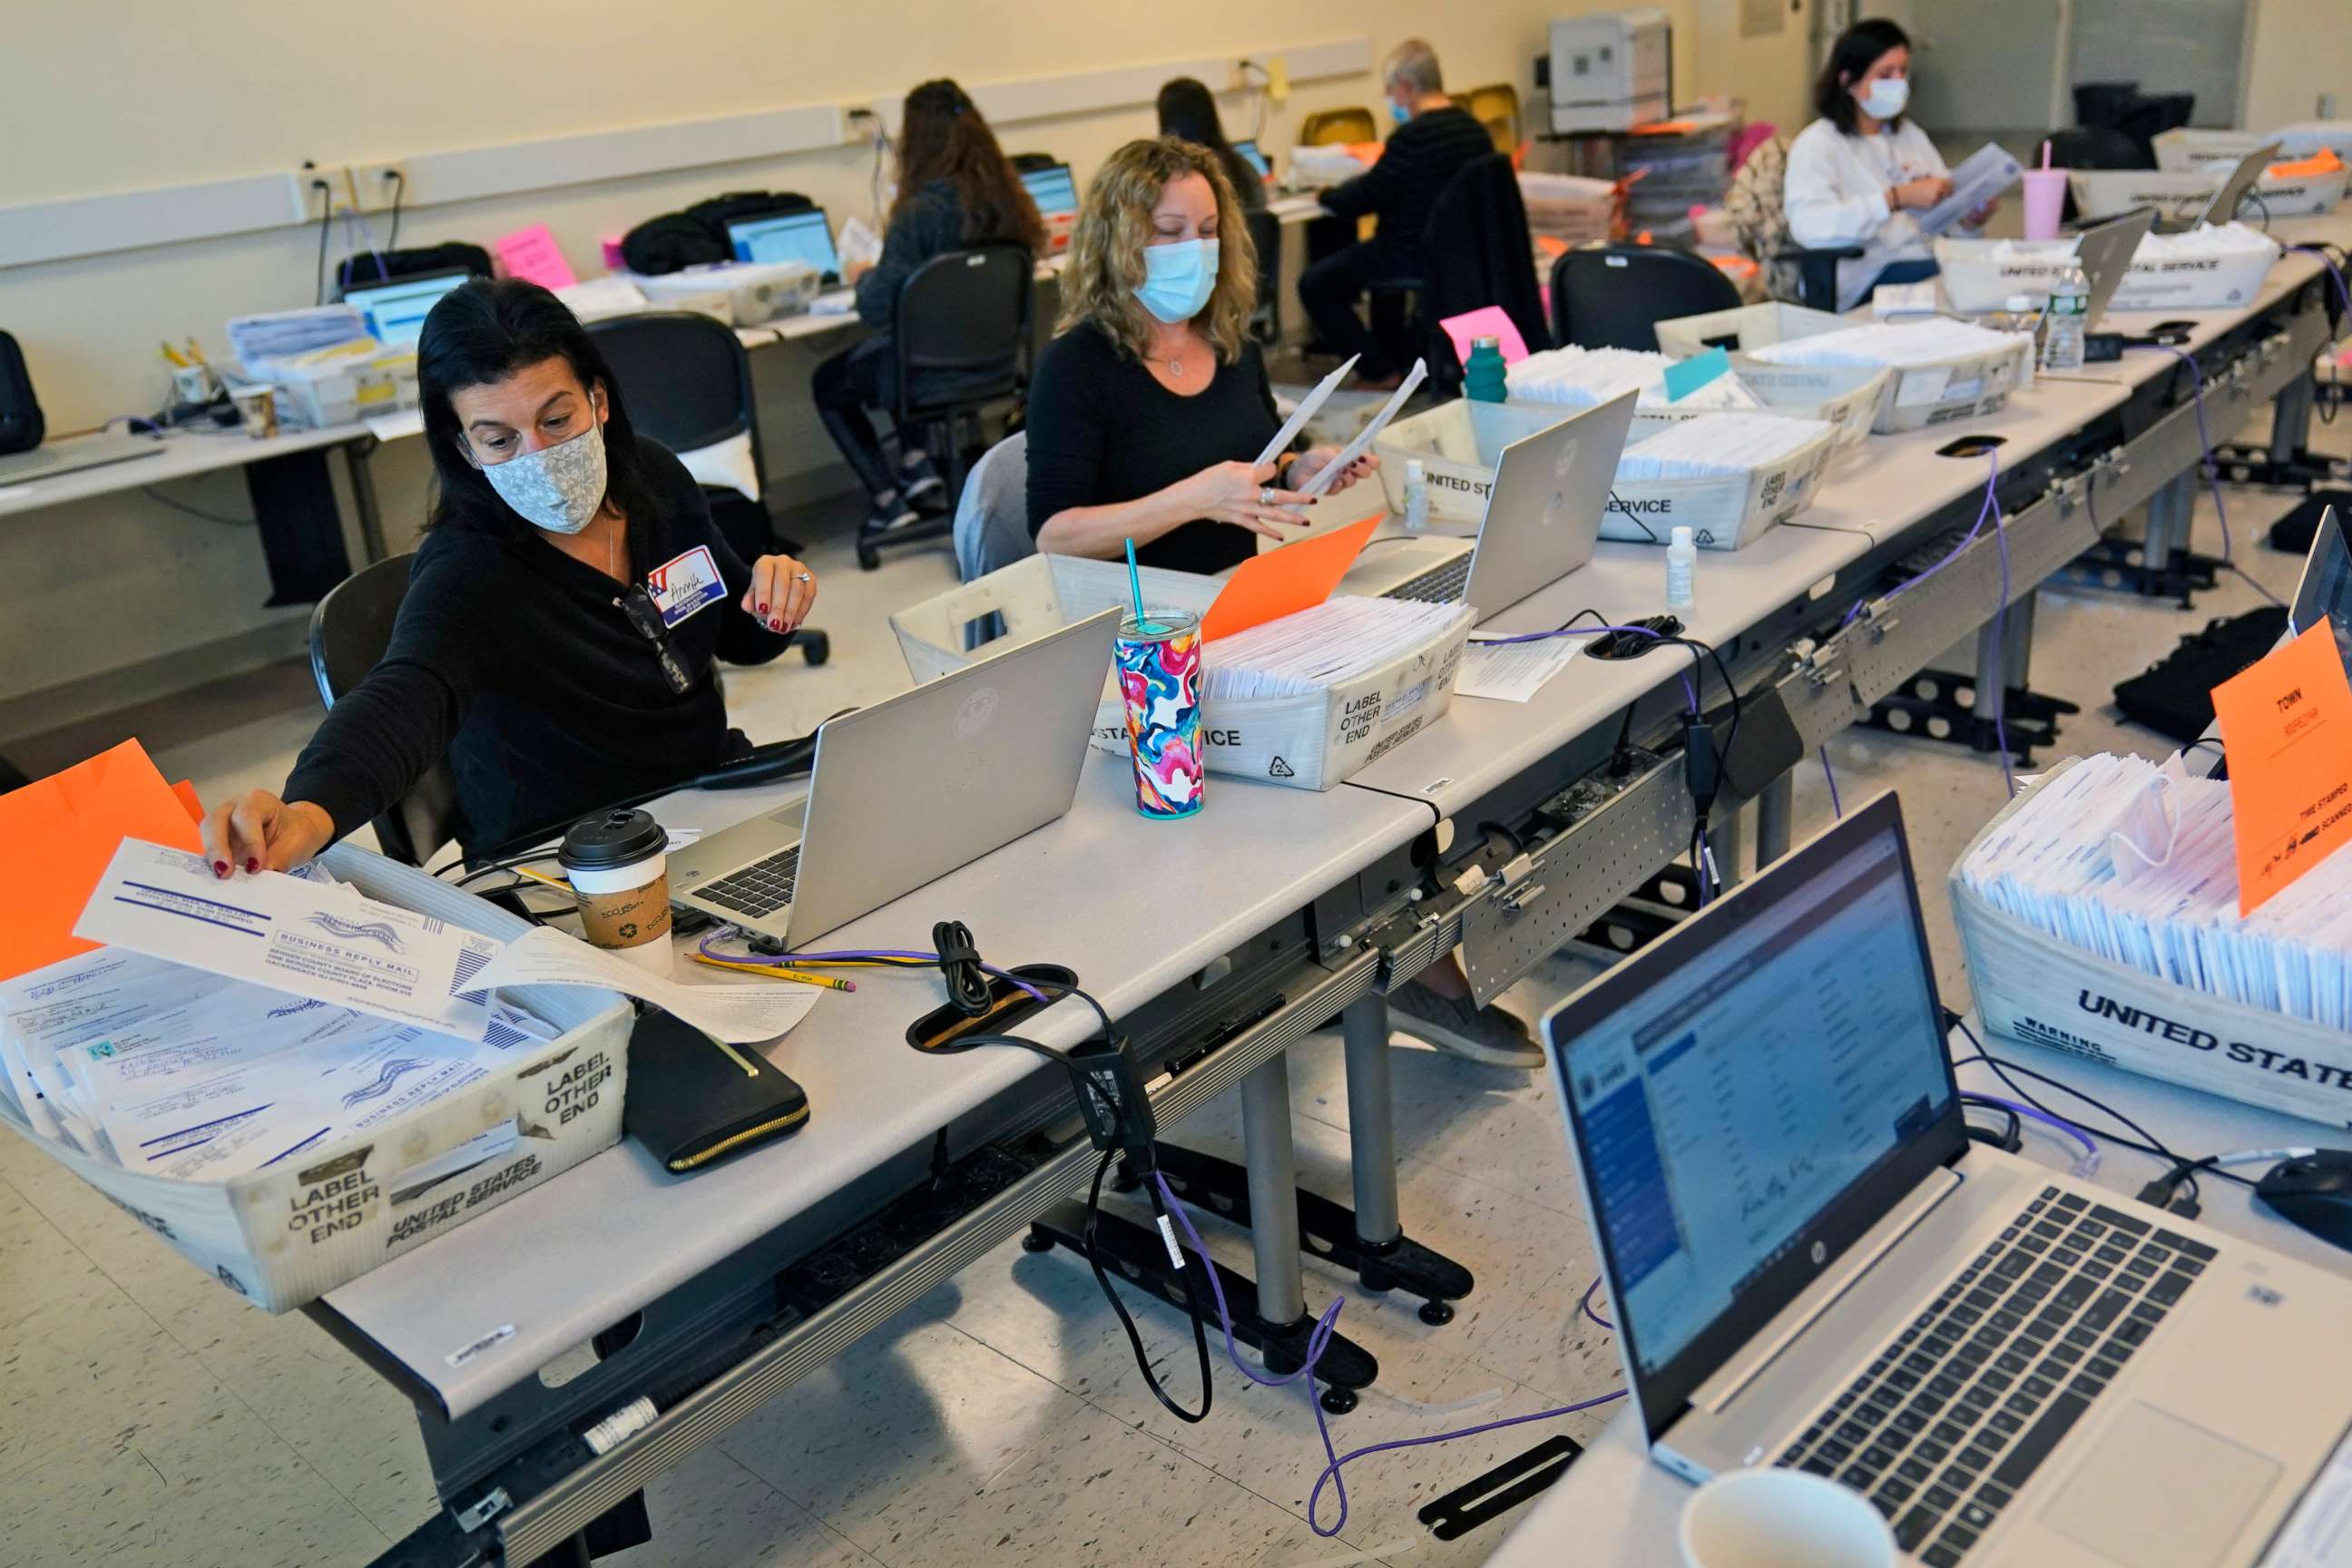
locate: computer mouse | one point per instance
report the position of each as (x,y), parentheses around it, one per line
(2313,1192)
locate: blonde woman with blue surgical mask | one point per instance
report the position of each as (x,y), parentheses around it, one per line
(1864,171)
(1148,407)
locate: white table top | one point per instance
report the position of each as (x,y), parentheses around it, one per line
(185,453)
(1615,1508)
(568,1259)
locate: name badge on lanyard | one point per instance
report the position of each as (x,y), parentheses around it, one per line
(684,585)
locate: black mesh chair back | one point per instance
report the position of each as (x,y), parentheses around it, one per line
(689,385)
(1476,251)
(1615,296)
(2097,147)
(962,329)
(350,629)
(1266,236)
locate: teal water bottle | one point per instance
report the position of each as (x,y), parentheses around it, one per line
(1481,378)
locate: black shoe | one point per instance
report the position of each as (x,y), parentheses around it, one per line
(889,515)
(918,481)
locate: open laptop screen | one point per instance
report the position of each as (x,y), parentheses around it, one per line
(1053,189)
(1775,1062)
(1254,158)
(2326,590)
(792,237)
(395,311)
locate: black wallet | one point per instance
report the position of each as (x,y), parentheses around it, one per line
(694,1100)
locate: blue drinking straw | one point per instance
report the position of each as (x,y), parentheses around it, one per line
(1135,586)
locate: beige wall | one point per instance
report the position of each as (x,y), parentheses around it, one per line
(143,93)
(2301,49)
(1769,71)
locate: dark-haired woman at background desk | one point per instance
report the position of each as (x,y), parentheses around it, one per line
(562,617)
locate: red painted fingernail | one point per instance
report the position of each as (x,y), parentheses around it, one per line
(252,864)
(220,868)
(776,626)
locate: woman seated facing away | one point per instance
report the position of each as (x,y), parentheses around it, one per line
(1187,112)
(564,614)
(956,190)
(1148,410)
(1862,172)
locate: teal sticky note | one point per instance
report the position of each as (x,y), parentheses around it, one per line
(1687,376)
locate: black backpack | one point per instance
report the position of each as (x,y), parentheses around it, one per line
(697,237)
(2174,697)
(21,425)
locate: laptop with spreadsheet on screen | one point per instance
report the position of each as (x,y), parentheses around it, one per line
(1812,1265)
(395,311)
(1054,189)
(801,236)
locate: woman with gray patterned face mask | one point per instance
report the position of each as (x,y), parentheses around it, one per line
(564,616)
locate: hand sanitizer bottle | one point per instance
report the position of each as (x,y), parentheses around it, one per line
(1681,560)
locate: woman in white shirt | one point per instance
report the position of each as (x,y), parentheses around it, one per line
(1862,172)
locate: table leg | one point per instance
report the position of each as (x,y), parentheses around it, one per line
(2291,419)
(363,501)
(1372,1118)
(1993,680)
(1274,1191)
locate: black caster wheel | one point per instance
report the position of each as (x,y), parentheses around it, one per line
(868,558)
(1437,1314)
(815,647)
(1338,1401)
(1036,1241)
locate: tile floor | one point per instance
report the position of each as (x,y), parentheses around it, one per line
(150,1420)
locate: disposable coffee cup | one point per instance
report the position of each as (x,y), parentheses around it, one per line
(1782,1519)
(618,864)
(257,410)
(2045,202)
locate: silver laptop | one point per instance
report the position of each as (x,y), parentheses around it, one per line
(2106,252)
(1813,1267)
(1543,515)
(61,457)
(2325,592)
(904,792)
(2227,200)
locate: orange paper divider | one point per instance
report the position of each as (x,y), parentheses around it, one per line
(1282,582)
(2323,162)
(2286,726)
(187,791)
(61,831)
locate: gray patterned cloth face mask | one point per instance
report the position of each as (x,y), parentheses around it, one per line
(557,488)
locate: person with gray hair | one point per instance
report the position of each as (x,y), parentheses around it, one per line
(1434,140)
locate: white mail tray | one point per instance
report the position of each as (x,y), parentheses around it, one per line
(1964,387)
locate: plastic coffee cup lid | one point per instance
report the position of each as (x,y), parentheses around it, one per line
(612,838)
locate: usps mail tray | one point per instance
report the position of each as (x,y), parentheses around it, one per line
(286,1236)
(1965,386)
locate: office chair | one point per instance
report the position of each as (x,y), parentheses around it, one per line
(1805,275)
(350,629)
(1497,109)
(1613,296)
(1332,127)
(960,340)
(1476,252)
(992,523)
(2097,147)
(689,386)
(1265,234)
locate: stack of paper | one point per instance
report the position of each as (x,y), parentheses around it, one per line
(1717,445)
(2136,864)
(1898,343)
(2206,239)
(1585,377)
(281,334)
(1336,641)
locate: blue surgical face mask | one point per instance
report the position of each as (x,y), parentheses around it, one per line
(1884,99)
(1399,112)
(1177,278)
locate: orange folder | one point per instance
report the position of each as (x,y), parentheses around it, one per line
(2287,720)
(1281,582)
(60,832)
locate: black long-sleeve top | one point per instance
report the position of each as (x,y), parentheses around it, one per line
(518,663)
(930,223)
(1102,430)
(1421,156)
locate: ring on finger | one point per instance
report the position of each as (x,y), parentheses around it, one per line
(1266,495)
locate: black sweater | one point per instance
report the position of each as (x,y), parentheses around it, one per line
(518,664)
(1421,156)
(932,223)
(1102,430)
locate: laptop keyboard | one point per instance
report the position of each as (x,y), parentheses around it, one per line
(760,889)
(1955,1415)
(1442,583)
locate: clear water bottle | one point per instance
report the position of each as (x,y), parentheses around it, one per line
(1484,378)
(2070,304)
(1416,496)
(1682,563)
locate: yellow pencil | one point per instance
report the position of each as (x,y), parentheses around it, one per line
(828,982)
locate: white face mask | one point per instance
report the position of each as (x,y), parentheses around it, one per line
(1885,98)
(557,488)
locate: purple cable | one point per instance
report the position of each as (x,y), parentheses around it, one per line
(2035,1114)
(2213,468)
(1984,511)
(1834,806)
(860,955)
(1585,1306)
(2335,274)
(1999,647)
(1316,1342)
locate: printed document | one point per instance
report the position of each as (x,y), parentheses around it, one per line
(740,1015)
(1984,174)
(1513,672)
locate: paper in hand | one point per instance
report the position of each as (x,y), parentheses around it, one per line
(1984,174)
(740,1015)
(1307,409)
(1328,474)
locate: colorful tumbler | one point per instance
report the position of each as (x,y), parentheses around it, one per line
(1159,676)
